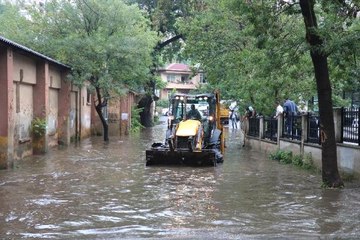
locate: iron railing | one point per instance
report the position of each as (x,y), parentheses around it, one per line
(350,125)
(254,127)
(313,127)
(292,127)
(270,128)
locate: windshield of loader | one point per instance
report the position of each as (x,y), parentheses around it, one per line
(181,105)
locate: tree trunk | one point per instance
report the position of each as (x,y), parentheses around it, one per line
(98,109)
(330,173)
(99,106)
(146,116)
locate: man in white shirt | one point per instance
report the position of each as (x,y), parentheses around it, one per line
(279,110)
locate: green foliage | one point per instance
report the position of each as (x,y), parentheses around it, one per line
(105,42)
(256,51)
(287,157)
(282,156)
(135,120)
(308,162)
(164,103)
(297,161)
(38,127)
(15,26)
(160,84)
(156,120)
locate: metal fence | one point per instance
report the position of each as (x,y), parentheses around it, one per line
(313,127)
(292,127)
(254,127)
(350,125)
(270,128)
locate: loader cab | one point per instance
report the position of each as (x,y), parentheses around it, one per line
(181,103)
(204,103)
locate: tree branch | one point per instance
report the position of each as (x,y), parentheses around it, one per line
(161,45)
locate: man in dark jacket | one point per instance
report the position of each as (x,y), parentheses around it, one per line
(193,113)
(290,110)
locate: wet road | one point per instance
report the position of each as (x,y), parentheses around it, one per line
(104,191)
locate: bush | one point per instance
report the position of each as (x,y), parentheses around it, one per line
(308,162)
(136,125)
(282,156)
(297,160)
(38,127)
(287,157)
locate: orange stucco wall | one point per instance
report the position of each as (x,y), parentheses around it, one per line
(6,107)
(118,115)
(31,87)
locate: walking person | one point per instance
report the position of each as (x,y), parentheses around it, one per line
(233,119)
(244,122)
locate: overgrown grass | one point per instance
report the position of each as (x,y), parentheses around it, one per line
(287,157)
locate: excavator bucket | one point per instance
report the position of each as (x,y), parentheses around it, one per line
(164,156)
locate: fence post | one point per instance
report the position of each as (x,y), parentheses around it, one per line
(261,127)
(337,124)
(357,127)
(304,131)
(280,121)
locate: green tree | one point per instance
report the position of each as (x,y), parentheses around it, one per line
(164,15)
(14,25)
(255,51)
(106,42)
(330,174)
(244,46)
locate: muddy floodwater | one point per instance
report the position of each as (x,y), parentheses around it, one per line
(104,191)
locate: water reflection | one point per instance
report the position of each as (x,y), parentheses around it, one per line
(329,203)
(104,191)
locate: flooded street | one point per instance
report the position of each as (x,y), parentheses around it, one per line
(104,191)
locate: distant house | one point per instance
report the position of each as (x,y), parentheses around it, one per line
(180,78)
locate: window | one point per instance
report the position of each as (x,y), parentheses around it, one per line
(171,78)
(88,97)
(202,78)
(184,78)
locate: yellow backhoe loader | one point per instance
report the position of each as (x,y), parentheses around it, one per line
(191,140)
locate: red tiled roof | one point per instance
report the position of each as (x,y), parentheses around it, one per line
(178,67)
